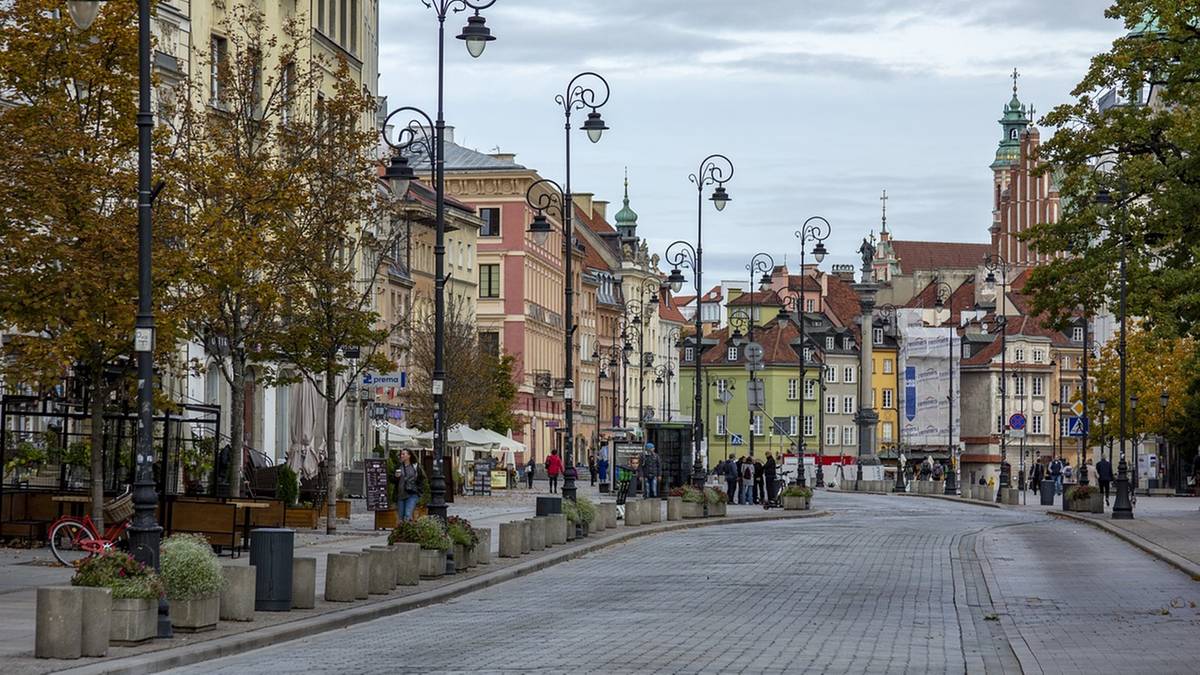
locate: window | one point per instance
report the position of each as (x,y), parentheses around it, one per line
(1077,334)
(288,91)
(1018,385)
(1019,354)
(793,425)
(1039,385)
(829,342)
(793,389)
(888,366)
(354,26)
(489,281)
(722,386)
(489,343)
(1013,134)
(688,353)
(888,396)
(810,305)
(831,405)
(1063,423)
(847,405)
(886,431)
(810,390)
(810,429)
(999,424)
(721,425)
(342,23)
(321,15)
(218,54)
(491,222)
(878,332)
(731,354)
(831,435)
(848,436)
(756,425)
(848,375)
(1039,356)
(831,374)
(807,354)
(847,343)
(1035,424)
(1064,392)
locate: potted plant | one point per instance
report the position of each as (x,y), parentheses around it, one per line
(431,535)
(717,501)
(463,537)
(197,457)
(570,509)
(1080,498)
(587,513)
(693,501)
(797,498)
(287,485)
(193,580)
(26,458)
(135,593)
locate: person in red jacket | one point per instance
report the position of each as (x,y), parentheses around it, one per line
(554,468)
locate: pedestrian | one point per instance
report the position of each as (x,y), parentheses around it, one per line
(592,469)
(1068,472)
(770,473)
(937,471)
(602,468)
(759,493)
(1104,476)
(1056,469)
(748,481)
(650,466)
(554,467)
(530,468)
(1035,476)
(410,484)
(730,472)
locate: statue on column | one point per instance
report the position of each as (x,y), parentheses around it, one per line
(867,250)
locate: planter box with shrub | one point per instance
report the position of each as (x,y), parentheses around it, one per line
(1080,499)
(797,498)
(433,539)
(193,579)
(135,593)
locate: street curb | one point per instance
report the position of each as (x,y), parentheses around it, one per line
(956,500)
(153,662)
(1169,557)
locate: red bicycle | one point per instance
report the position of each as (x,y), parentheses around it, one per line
(73,539)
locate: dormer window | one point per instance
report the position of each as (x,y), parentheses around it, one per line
(829,342)
(878,336)
(731,354)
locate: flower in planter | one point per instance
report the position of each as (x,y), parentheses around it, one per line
(798,491)
(128,578)
(1080,493)
(586,510)
(460,531)
(691,494)
(715,496)
(190,570)
(427,531)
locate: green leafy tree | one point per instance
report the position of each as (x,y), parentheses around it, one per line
(1150,157)
(499,415)
(68,205)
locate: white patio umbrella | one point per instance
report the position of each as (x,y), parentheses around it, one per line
(302,450)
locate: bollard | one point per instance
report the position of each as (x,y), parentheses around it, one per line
(485,545)
(393,564)
(652,510)
(58,631)
(633,513)
(362,577)
(526,536)
(556,529)
(408,564)
(510,539)
(538,532)
(97,618)
(304,583)
(237,596)
(379,573)
(674,508)
(341,577)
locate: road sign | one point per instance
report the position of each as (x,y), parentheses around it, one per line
(1077,427)
(735,439)
(754,352)
(1016,422)
(725,396)
(1077,408)
(756,394)
(752,367)
(782,426)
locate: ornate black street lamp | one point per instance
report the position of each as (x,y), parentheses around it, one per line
(759,267)
(585,90)
(995,263)
(714,170)
(145,534)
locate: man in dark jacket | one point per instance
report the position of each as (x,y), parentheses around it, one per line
(1104,475)
(650,468)
(730,473)
(769,474)
(1035,476)
(1056,469)
(759,493)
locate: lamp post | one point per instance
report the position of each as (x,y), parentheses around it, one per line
(1163,399)
(1123,506)
(476,35)
(760,267)
(145,534)
(796,300)
(995,263)
(944,291)
(1103,404)
(1056,439)
(585,90)
(715,170)
(816,229)
(1133,439)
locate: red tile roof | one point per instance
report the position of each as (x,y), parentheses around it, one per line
(761,298)
(714,295)
(775,337)
(668,311)
(841,302)
(962,299)
(682,300)
(1017,326)
(938,255)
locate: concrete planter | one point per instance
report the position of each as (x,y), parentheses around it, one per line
(461,558)
(674,506)
(572,531)
(133,621)
(692,510)
(795,503)
(633,513)
(483,553)
(584,529)
(1097,502)
(194,616)
(717,510)
(433,564)
(473,556)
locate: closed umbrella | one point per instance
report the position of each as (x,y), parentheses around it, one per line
(302,450)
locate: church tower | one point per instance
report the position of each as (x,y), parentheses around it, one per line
(1014,122)
(626,218)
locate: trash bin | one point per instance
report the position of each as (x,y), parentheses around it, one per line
(549,506)
(271,555)
(1047,492)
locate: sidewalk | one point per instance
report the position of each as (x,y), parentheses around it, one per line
(22,571)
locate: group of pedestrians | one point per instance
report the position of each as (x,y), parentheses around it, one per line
(748,480)
(1059,470)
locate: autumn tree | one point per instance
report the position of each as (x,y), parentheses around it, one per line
(467,367)
(499,415)
(1146,157)
(68,204)
(337,240)
(236,168)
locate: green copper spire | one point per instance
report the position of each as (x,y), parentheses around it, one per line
(627,218)
(1014,122)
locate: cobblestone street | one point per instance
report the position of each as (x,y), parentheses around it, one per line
(886,585)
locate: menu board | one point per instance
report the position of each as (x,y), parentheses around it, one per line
(376,482)
(483,475)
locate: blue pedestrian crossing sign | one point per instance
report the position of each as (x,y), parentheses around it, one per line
(1077,427)
(735,439)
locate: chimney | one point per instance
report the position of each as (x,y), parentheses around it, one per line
(583,200)
(844,272)
(503,156)
(600,207)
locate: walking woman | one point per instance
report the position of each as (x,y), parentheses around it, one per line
(410,483)
(530,466)
(554,468)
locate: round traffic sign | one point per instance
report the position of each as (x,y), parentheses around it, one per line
(1016,421)
(754,352)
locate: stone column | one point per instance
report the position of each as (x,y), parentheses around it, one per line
(866,418)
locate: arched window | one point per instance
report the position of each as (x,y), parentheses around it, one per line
(1013,134)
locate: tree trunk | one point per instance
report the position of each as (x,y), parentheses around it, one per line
(237,412)
(331,459)
(97,439)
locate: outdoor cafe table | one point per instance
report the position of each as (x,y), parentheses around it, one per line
(246,506)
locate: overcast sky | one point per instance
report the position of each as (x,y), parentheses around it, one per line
(821,104)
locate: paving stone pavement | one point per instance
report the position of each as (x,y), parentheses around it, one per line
(884,586)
